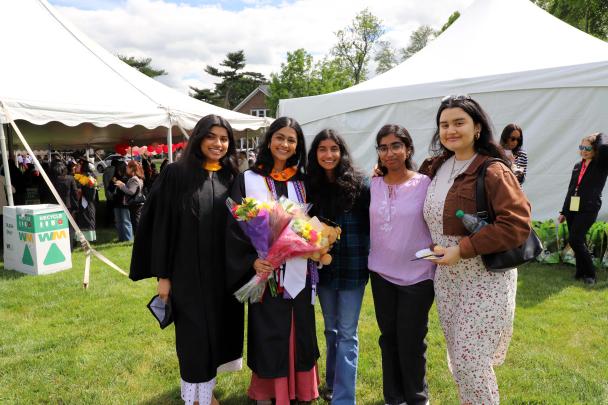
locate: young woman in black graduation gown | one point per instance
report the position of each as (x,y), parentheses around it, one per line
(281,340)
(180,240)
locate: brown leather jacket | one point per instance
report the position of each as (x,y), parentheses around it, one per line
(506,201)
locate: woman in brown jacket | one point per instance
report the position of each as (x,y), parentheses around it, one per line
(476,307)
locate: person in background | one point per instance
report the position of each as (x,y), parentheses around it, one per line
(66,187)
(133,189)
(3,199)
(122,216)
(18,181)
(164,164)
(108,175)
(338,192)
(584,200)
(512,140)
(402,289)
(181,242)
(476,307)
(243,162)
(87,184)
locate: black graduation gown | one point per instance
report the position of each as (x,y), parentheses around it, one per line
(269,322)
(186,244)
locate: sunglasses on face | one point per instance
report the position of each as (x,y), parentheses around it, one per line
(585,148)
(455,97)
(395,147)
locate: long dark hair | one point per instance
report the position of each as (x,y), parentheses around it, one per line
(193,158)
(265,162)
(404,136)
(191,174)
(506,134)
(484,144)
(349,180)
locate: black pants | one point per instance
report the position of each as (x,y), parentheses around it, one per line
(402,313)
(135,212)
(578,225)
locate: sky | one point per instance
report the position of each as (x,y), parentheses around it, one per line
(183,36)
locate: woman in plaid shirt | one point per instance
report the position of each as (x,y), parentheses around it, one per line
(340,193)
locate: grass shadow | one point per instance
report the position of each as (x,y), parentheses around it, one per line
(169,397)
(10,274)
(538,282)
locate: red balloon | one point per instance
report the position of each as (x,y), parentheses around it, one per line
(151,148)
(165,149)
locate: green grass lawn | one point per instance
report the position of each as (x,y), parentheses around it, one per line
(60,344)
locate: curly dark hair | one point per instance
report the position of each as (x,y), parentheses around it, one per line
(348,180)
(265,162)
(484,145)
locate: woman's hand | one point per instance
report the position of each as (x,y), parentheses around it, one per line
(561,218)
(163,289)
(119,183)
(451,255)
(262,267)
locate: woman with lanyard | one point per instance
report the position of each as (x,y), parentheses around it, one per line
(282,344)
(180,240)
(584,200)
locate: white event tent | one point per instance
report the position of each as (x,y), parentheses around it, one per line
(59,87)
(522,64)
(64,89)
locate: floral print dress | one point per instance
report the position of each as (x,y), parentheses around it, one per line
(476,310)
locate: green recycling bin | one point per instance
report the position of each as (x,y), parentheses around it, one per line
(36,239)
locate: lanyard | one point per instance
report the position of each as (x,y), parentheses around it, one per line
(584,166)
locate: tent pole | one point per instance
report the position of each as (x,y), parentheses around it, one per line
(170,143)
(50,154)
(7,172)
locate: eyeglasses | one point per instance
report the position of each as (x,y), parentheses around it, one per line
(395,147)
(585,148)
(455,97)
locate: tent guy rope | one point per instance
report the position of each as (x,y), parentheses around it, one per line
(83,242)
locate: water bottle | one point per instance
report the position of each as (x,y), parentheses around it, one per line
(471,222)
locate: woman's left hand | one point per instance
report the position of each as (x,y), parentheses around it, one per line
(119,183)
(451,255)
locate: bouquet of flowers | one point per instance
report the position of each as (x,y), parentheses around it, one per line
(278,230)
(87,181)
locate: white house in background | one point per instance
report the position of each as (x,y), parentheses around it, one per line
(522,64)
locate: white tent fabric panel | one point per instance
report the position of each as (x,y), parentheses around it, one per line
(53,72)
(522,64)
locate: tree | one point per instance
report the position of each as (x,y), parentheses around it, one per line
(418,40)
(450,21)
(143,65)
(235,84)
(385,58)
(356,42)
(205,95)
(590,16)
(300,77)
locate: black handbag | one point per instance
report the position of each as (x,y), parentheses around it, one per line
(137,198)
(502,261)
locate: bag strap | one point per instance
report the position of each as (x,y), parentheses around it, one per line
(480,191)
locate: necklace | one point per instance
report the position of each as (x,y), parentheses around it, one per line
(454,172)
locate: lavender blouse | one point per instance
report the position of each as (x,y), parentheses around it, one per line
(398,231)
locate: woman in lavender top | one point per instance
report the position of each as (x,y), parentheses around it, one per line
(402,288)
